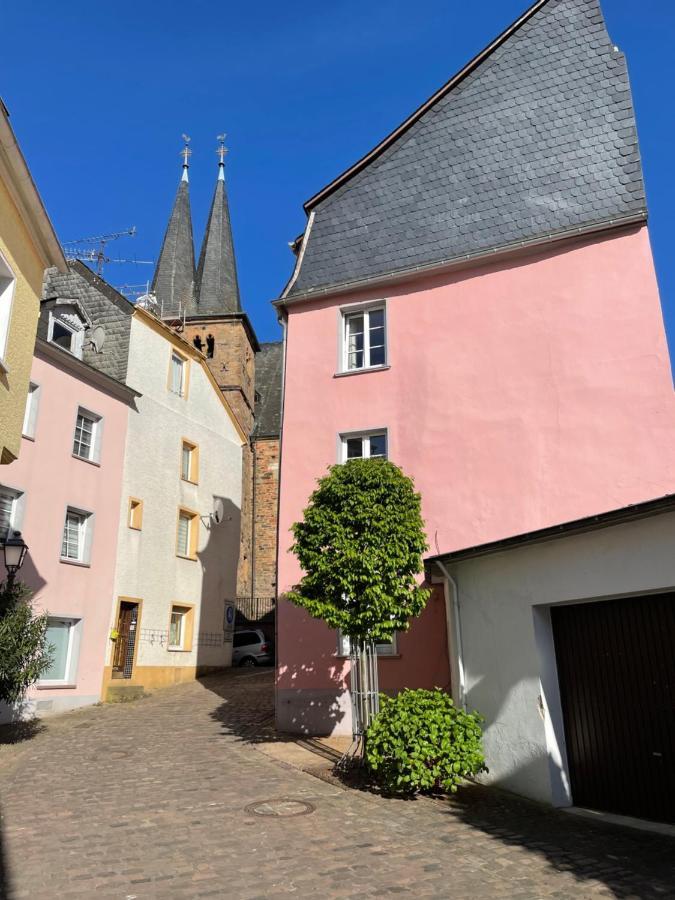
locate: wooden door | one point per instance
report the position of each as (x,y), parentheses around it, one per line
(123,657)
(616,668)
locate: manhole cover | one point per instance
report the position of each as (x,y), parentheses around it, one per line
(279,808)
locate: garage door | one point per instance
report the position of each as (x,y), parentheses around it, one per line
(616,668)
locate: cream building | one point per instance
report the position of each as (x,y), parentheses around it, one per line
(180,517)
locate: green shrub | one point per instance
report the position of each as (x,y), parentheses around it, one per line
(420,741)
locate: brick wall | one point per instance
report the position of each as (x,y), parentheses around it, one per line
(266,458)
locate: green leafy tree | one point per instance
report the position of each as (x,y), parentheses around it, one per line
(360,545)
(24,654)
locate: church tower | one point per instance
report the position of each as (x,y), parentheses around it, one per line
(174,281)
(215,322)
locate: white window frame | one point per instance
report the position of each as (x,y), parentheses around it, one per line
(365,437)
(77,333)
(17,510)
(31,411)
(382,649)
(72,656)
(361,310)
(181,644)
(183,373)
(96,435)
(84,540)
(7,290)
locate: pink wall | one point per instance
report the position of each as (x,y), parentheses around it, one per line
(520,394)
(53,479)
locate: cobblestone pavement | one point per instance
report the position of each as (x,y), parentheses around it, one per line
(147,799)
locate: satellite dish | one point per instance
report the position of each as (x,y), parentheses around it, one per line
(218,513)
(98,338)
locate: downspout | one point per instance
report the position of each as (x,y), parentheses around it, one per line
(454,615)
(282,318)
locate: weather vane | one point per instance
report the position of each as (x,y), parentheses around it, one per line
(186,153)
(222,150)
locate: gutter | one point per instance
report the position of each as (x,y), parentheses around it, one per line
(455,262)
(454,617)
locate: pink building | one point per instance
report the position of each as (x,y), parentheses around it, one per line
(476,300)
(63,494)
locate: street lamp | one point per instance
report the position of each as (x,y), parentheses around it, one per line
(14,550)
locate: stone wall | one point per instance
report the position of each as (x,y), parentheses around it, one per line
(266,492)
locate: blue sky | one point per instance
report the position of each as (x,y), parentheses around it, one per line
(99,94)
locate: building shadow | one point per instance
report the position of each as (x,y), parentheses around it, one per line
(629,862)
(219,560)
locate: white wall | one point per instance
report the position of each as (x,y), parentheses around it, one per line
(147,565)
(511,676)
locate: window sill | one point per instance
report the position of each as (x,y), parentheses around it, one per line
(28,437)
(361,371)
(134,528)
(55,686)
(188,481)
(91,462)
(179,649)
(75,562)
(189,558)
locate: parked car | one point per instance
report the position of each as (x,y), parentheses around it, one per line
(250,647)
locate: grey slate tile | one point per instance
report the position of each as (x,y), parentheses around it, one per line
(539,138)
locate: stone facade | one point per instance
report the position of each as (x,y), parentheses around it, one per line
(265,500)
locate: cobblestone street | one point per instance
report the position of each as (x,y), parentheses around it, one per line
(148,799)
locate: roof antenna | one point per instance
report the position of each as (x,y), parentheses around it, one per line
(221,152)
(186,153)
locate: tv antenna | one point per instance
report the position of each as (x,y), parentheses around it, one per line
(81,249)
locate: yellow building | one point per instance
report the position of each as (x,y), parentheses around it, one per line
(28,245)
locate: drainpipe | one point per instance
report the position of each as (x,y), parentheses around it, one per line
(449,580)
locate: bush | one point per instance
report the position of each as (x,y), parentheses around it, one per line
(24,654)
(420,741)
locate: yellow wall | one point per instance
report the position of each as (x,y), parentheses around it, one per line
(19,250)
(154,677)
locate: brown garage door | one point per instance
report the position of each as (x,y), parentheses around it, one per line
(616,668)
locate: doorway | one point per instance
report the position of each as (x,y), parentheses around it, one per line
(125,643)
(616,669)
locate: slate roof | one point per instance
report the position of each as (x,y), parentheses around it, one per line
(103,305)
(268,378)
(535,137)
(174,279)
(217,286)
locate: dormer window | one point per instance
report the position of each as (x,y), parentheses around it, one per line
(67,324)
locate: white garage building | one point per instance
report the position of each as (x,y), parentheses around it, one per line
(564,640)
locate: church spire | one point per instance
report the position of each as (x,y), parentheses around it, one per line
(217,286)
(174,278)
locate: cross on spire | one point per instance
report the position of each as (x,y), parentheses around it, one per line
(186,153)
(221,152)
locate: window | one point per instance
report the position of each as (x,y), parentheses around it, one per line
(186,537)
(86,443)
(63,641)
(364,446)
(76,542)
(178,374)
(135,517)
(7,282)
(180,628)
(382,648)
(189,463)
(364,343)
(66,327)
(10,511)
(30,413)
